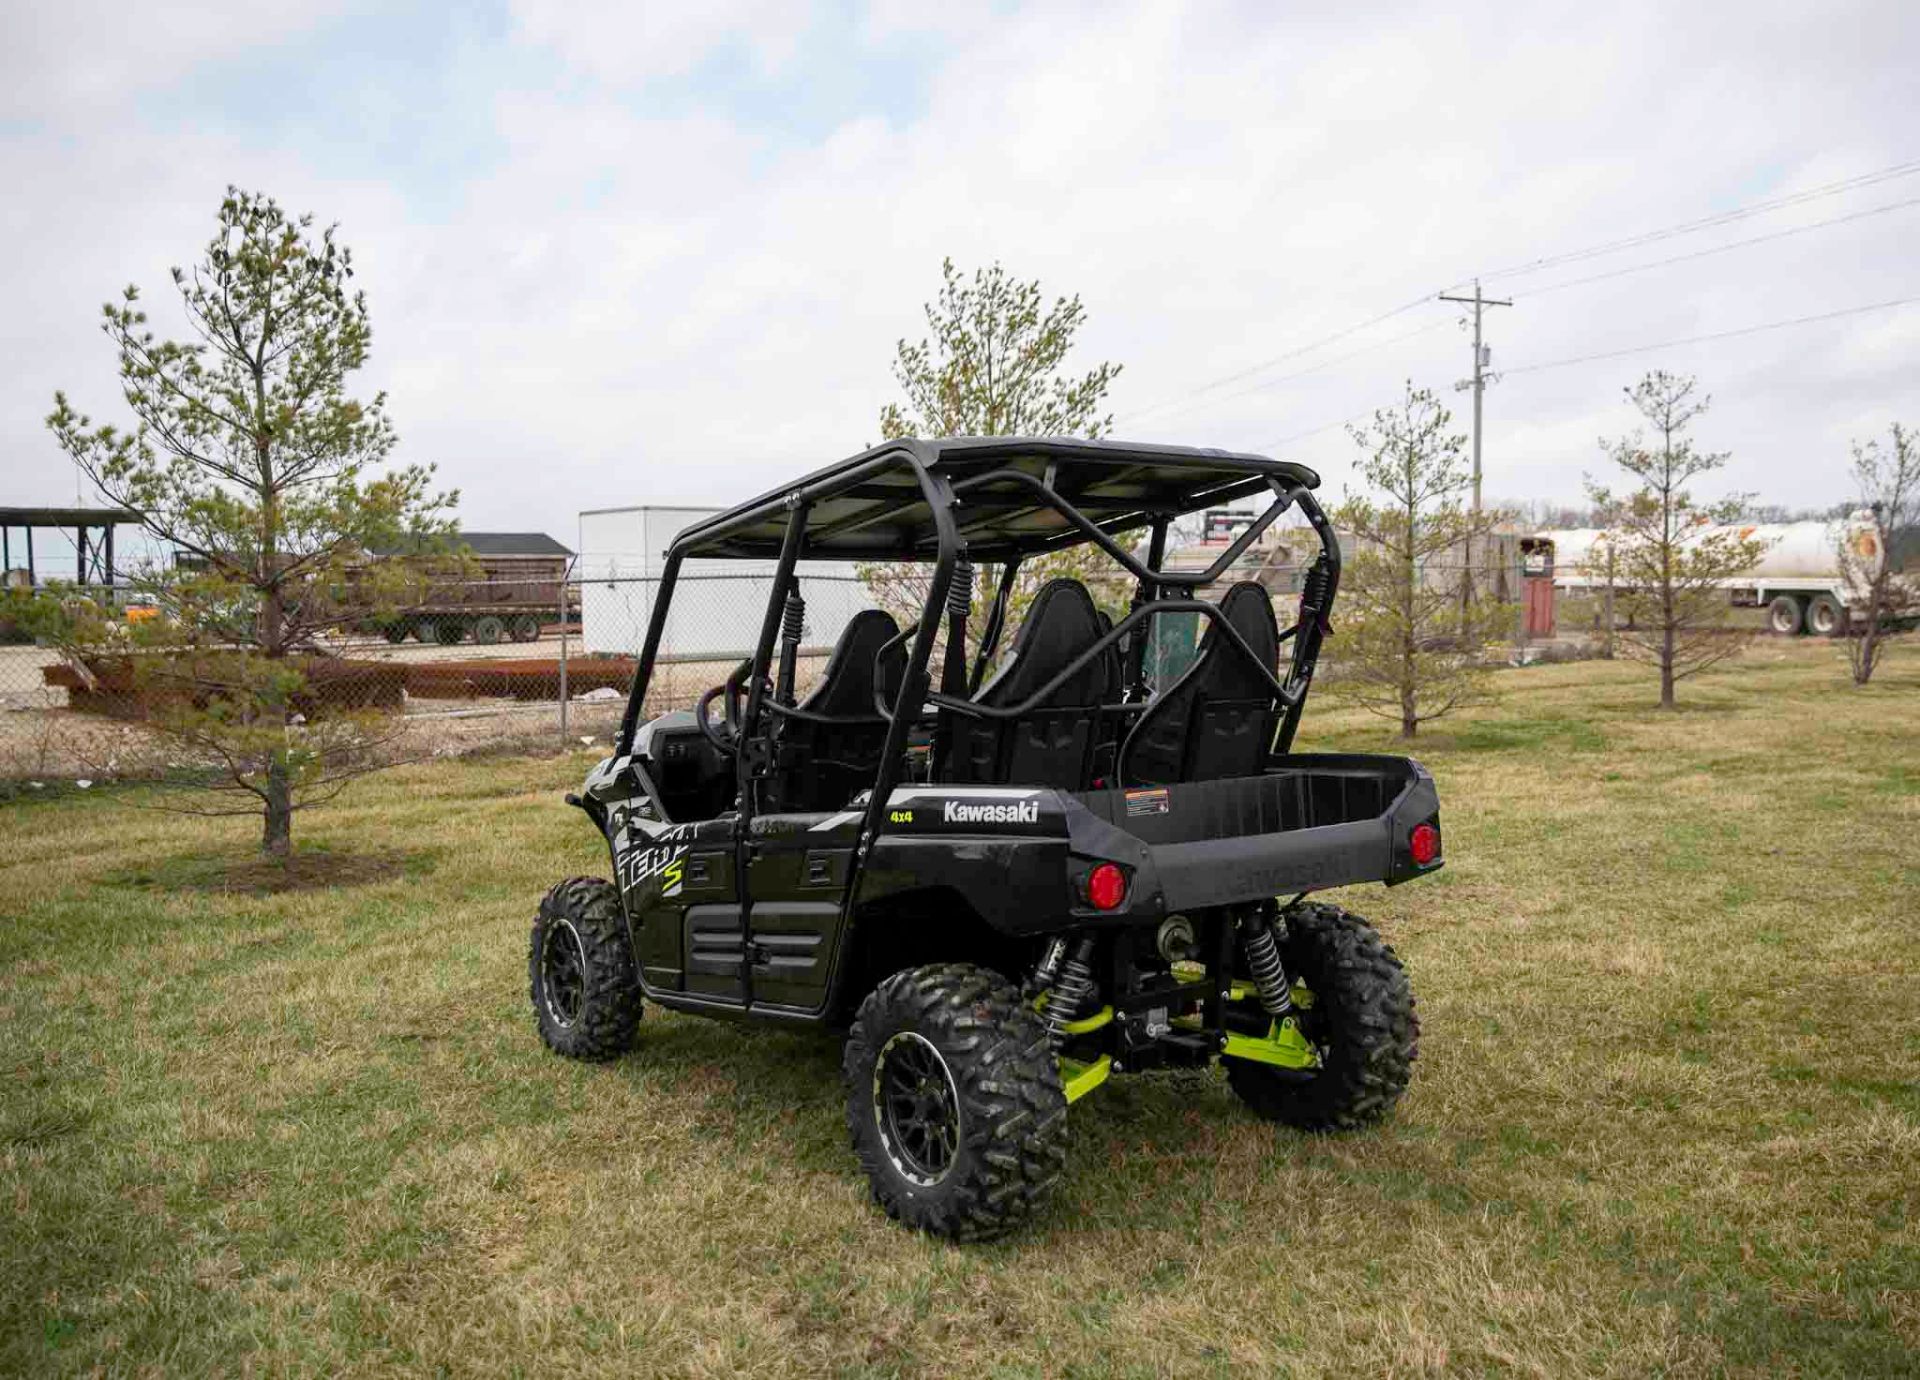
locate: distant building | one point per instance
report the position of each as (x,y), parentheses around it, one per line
(718,606)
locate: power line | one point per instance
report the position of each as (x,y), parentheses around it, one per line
(1716,335)
(1315,431)
(1723,248)
(1617,354)
(1265,384)
(1193,395)
(1738,213)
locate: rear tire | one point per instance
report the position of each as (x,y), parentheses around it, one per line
(1826,616)
(1786,615)
(488,629)
(954,1102)
(396,631)
(1362,1019)
(524,628)
(586,999)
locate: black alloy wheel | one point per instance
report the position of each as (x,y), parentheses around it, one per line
(580,972)
(563,972)
(916,1109)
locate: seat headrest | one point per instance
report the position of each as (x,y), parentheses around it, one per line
(845,688)
(1061,623)
(1249,609)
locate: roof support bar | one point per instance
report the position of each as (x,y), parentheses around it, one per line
(1286,494)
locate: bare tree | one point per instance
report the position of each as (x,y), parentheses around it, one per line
(1415,622)
(1670,556)
(992,366)
(1889,486)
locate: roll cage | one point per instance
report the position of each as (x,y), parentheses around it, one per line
(995,500)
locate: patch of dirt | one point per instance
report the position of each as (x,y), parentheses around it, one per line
(315,868)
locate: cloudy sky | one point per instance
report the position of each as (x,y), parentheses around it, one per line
(620,252)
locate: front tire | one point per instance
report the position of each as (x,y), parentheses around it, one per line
(1362,1020)
(586,999)
(954,1102)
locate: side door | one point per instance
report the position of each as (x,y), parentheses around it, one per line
(681,887)
(797,871)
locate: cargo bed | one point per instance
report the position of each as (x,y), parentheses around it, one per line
(1310,821)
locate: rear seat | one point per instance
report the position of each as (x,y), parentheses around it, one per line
(1052,744)
(1218,719)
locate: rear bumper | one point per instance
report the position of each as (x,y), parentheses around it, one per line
(1311,822)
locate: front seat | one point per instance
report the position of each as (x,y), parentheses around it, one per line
(1050,744)
(1218,719)
(820,766)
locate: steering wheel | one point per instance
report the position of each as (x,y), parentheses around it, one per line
(727,738)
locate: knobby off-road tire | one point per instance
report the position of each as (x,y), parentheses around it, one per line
(955,1038)
(1362,1018)
(586,999)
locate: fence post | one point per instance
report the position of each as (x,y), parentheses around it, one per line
(565,574)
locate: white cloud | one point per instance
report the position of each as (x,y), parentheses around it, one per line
(65,60)
(626,42)
(629,305)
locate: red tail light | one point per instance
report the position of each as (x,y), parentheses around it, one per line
(1106,886)
(1424,843)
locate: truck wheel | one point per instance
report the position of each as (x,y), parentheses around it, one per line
(525,628)
(1785,615)
(396,631)
(586,1000)
(489,628)
(1826,616)
(954,1101)
(1362,1020)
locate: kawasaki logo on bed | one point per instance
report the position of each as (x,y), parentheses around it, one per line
(993,812)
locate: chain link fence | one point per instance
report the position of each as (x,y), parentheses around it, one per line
(469,674)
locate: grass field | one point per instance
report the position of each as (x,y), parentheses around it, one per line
(1666,1116)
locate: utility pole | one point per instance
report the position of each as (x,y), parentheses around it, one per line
(1479,382)
(1479,385)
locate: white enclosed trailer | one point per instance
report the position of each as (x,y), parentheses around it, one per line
(1799,578)
(717,606)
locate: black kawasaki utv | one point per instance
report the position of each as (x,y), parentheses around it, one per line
(1005,889)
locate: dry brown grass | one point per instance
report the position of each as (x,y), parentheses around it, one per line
(1666,1117)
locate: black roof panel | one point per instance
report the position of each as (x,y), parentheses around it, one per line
(871,506)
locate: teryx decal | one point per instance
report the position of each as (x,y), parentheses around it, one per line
(640,865)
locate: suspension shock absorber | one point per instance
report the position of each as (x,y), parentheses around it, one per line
(1071,990)
(1264,967)
(1048,968)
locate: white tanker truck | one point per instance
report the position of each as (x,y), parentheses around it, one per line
(1800,579)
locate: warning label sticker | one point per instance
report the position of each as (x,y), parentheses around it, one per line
(1153,802)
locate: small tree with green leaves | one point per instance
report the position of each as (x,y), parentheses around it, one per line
(992,365)
(1671,552)
(1888,481)
(1414,622)
(249,458)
